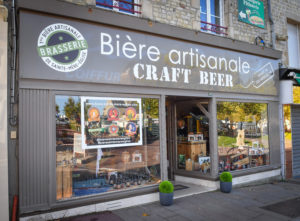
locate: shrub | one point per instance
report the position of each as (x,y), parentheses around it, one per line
(226,177)
(166,187)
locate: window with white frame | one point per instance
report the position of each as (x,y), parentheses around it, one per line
(211,15)
(124,6)
(293,45)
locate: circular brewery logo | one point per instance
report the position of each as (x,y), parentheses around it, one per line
(62,47)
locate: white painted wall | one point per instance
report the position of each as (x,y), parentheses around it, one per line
(4,203)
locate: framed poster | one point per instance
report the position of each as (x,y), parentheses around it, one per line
(108,122)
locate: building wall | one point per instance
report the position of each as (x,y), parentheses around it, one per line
(282,11)
(4,209)
(36,196)
(186,14)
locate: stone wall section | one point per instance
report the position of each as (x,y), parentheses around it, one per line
(186,14)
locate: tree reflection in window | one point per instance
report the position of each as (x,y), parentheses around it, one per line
(242,135)
(82,172)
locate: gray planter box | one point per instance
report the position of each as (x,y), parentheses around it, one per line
(225,187)
(166,199)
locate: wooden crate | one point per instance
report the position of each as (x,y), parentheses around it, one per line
(59,185)
(63,182)
(189,165)
(191,150)
(67,182)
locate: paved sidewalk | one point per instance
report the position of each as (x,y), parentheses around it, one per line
(242,204)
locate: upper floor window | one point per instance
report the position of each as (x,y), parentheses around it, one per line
(124,6)
(211,15)
(293,45)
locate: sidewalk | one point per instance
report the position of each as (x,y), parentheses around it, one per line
(241,204)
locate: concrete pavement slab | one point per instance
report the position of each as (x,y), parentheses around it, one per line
(241,204)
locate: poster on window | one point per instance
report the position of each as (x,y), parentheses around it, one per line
(110,122)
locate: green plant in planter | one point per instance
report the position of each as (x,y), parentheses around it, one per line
(226,177)
(166,194)
(226,182)
(166,187)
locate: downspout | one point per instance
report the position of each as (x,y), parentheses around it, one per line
(272,24)
(281,135)
(13,117)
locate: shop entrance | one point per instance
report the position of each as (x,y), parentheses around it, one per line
(187,120)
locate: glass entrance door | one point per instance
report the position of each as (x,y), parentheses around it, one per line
(192,137)
(188,136)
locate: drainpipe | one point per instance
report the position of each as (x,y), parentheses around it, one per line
(13,117)
(272,24)
(282,145)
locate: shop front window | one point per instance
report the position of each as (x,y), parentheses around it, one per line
(119,149)
(242,135)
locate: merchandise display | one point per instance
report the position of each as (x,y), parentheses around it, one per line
(81,172)
(242,135)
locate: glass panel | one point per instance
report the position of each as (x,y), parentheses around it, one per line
(192,138)
(214,28)
(127,6)
(212,11)
(243,140)
(104,3)
(215,11)
(93,171)
(293,45)
(203,14)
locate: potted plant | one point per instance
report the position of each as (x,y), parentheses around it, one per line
(226,182)
(166,193)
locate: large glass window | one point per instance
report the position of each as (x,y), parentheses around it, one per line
(242,135)
(117,154)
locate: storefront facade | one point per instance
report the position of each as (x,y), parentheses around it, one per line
(108,111)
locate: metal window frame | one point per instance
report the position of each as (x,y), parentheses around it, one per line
(195,174)
(208,15)
(53,202)
(136,8)
(242,171)
(298,41)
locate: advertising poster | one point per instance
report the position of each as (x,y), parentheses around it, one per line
(110,122)
(252,12)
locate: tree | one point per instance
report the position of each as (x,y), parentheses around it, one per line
(57,108)
(151,107)
(71,108)
(239,112)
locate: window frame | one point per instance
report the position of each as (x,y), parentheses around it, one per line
(297,26)
(258,168)
(136,8)
(107,196)
(208,16)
